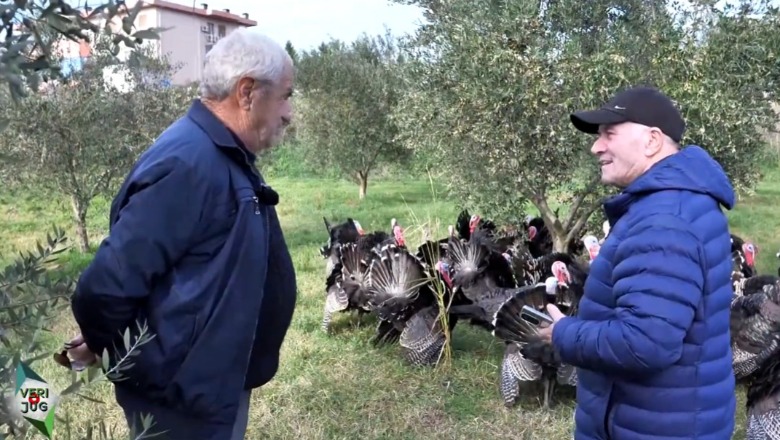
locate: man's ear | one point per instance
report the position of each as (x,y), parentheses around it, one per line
(655,142)
(244,90)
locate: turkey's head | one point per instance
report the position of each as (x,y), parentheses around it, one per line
(445,271)
(592,245)
(750,253)
(398,233)
(359,228)
(561,273)
(473,223)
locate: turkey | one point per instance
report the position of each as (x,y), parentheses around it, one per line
(526,356)
(433,251)
(744,254)
(755,330)
(478,261)
(435,255)
(570,285)
(422,339)
(539,238)
(347,283)
(466,225)
(763,400)
(398,233)
(748,286)
(530,271)
(480,275)
(592,247)
(605,227)
(347,232)
(401,293)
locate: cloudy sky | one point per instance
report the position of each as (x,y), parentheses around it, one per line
(309,22)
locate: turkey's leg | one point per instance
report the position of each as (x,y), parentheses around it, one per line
(547,387)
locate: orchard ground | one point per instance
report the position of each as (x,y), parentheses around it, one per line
(339,386)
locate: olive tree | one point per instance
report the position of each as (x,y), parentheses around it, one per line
(33,26)
(78,135)
(490,86)
(33,291)
(348,94)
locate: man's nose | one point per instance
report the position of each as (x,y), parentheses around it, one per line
(598,147)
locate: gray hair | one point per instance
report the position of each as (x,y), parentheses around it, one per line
(243,52)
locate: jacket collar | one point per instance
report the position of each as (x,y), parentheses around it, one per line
(616,206)
(219,133)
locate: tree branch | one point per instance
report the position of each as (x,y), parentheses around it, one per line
(368,167)
(578,201)
(548,215)
(583,220)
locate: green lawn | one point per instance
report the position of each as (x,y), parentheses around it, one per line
(339,387)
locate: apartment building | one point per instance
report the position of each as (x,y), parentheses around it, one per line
(191,33)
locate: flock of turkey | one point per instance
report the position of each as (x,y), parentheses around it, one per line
(484,275)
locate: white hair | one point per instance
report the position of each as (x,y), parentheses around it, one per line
(243,52)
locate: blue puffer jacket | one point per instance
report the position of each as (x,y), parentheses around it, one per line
(651,338)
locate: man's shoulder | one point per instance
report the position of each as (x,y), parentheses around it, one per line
(186,145)
(679,209)
(657,215)
(681,216)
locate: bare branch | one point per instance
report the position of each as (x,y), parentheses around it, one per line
(573,213)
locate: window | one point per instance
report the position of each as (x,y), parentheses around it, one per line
(221,30)
(211,28)
(208,47)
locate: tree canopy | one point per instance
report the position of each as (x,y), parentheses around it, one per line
(348,94)
(77,135)
(490,87)
(33,26)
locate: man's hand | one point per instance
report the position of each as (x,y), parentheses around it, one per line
(79,353)
(555,313)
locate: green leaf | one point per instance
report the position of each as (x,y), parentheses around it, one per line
(106,361)
(126,338)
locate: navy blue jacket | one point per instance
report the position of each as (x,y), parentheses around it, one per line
(651,338)
(192,251)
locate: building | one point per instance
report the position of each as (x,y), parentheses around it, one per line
(189,33)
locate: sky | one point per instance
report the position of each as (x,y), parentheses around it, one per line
(307,23)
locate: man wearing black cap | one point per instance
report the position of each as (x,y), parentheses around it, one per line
(651,338)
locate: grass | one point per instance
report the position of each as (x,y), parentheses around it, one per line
(339,387)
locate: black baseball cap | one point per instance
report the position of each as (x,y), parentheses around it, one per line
(641,105)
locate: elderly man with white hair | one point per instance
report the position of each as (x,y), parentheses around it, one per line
(195,250)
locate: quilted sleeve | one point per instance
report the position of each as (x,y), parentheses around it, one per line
(658,283)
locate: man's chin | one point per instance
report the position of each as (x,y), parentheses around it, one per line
(274,141)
